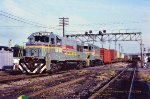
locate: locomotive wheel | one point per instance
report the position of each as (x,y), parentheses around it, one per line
(53,68)
(79,65)
(91,64)
(58,67)
(84,65)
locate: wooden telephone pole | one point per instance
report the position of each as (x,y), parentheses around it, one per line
(63,22)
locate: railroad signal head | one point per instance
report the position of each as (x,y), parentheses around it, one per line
(86,33)
(104,31)
(100,33)
(90,31)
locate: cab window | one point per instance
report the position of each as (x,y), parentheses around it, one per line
(79,48)
(90,48)
(52,41)
(85,47)
(58,41)
(42,39)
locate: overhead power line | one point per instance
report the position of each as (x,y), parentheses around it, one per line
(19,19)
(111,23)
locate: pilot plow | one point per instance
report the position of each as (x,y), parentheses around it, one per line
(32,65)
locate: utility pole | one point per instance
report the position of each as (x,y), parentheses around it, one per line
(109,44)
(9,43)
(119,47)
(115,45)
(141,48)
(63,22)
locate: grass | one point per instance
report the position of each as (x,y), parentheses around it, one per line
(144,76)
(107,72)
(104,74)
(82,71)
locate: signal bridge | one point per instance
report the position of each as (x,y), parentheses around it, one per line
(103,36)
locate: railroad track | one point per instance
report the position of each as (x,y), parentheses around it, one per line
(78,89)
(132,82)
(53,80)
(71,84)
(7,77)
(105,92)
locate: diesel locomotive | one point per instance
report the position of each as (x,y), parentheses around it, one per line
(46,51)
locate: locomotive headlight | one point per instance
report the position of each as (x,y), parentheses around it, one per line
(47,33)
(43,33)
(40,34)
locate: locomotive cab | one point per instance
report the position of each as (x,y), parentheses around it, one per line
(38,43)
(36,49)
(92,55)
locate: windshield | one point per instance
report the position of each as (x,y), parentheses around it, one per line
(85,47)
(41,38)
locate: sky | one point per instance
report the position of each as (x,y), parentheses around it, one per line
(84,15)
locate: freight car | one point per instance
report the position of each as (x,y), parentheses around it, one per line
(46,51)
(135,58)
(126,58)
(105,55)
(111,56)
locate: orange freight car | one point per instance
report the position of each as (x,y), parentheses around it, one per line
(113,55)
(105,55)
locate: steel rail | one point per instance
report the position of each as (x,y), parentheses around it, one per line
(106,85)
(131,86)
